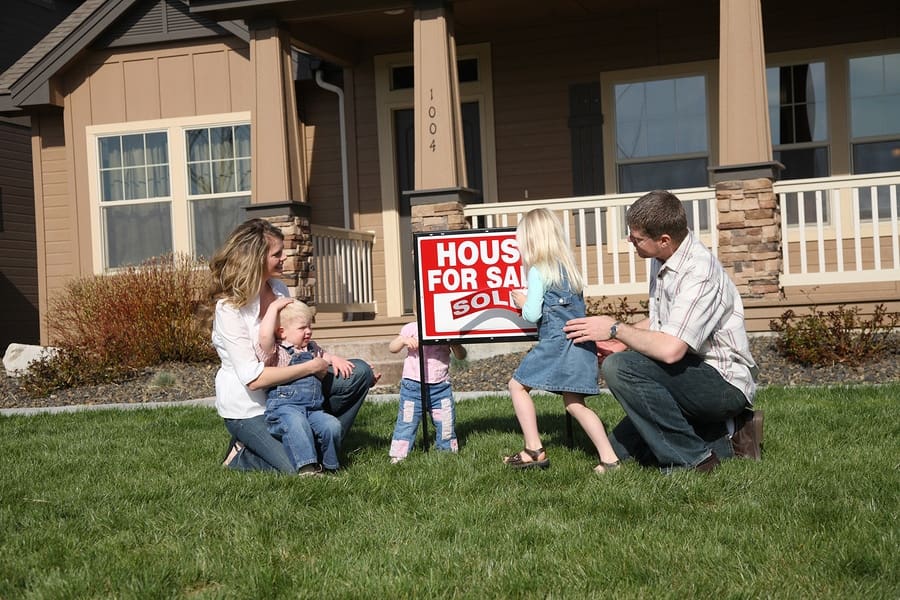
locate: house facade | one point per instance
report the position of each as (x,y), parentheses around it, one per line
(160,124)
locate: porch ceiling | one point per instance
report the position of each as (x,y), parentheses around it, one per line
(342,29)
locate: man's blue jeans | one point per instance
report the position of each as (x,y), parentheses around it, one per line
(675,414)
(343,399)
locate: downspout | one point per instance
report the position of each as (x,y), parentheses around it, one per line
(345,187)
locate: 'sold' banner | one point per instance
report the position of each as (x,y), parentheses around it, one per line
(464,281)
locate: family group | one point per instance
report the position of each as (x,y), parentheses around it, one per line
(684,376)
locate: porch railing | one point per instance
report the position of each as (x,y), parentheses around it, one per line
(850,233)
(596,226)
(343,269)
(859,211)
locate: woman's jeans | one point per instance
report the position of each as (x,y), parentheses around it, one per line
(262,452)
(409,415)
(675,414)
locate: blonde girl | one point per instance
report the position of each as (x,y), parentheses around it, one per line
(554,364)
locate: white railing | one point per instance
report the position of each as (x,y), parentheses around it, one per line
(609,263)
(342,261)
(850,233)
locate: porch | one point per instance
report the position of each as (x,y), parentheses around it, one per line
(849,241)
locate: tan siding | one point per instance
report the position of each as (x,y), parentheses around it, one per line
(176,92)
(141,89)
(114,87)
(107,85)
(323,155)
(212,82)
(368,174)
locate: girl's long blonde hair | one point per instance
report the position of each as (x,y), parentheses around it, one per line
(238,267)
(544,246)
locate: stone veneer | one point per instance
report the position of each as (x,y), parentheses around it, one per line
(750,236)
(299,270)
(442,216)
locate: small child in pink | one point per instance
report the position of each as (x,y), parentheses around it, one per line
(440,395)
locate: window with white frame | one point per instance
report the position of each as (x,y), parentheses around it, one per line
(875,125)
(167,186)
(662,136)
(799,128)
(218,162)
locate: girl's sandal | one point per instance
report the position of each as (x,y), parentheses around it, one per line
(516,461)
(605,467)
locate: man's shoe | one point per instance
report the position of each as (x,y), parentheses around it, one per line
(708,464)
(748,435)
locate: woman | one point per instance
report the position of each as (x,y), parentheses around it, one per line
(245,274)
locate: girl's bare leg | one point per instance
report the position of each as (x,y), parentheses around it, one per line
(523,406)
(592,426)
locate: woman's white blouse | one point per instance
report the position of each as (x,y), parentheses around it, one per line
(235,333)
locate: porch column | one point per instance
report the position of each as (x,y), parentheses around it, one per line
(745,142)
(750,236)
(440,170)
(276,145)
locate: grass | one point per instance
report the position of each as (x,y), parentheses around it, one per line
(133,504)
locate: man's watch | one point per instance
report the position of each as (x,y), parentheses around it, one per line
(614,329)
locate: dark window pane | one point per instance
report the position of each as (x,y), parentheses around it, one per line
(402,78)
(198,144)
(133,150)
(803,163)
(663,175)
(137,232)
(876,157)
(110,152)
(468,69)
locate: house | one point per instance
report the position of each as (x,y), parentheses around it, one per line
(160,124)
(24,23)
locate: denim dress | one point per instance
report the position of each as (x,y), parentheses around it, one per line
(557,364)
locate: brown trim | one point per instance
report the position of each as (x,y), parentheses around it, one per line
(770,169)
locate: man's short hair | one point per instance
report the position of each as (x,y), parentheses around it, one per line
(658,212)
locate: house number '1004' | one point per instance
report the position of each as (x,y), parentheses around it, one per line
(432,124)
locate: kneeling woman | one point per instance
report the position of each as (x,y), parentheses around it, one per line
(245,274)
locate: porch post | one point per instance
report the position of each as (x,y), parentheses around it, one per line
(276,145)
(440,173)
(748,212)
(750,236)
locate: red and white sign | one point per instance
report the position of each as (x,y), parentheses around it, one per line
(464,282)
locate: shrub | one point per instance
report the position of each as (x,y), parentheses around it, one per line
(621,310)
(840,335)
(109,326)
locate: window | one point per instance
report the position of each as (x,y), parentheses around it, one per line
(218,162)
(134,195)
(875,124)
(175,185)
(798,121)
(661,136)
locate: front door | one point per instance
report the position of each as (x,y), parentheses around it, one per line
(404,140)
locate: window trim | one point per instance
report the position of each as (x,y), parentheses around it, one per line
(178,191)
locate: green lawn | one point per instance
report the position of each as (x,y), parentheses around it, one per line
(133,504)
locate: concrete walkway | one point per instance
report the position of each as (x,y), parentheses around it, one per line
(209,402)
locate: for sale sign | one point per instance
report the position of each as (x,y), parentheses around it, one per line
(465,280)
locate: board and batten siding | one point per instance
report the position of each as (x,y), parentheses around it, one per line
(158,82)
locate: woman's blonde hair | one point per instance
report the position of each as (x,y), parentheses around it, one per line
(296,310)
(544,246)
(238,267)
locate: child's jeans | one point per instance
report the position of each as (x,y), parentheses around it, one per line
(308,436)
(294,414)
(409,415)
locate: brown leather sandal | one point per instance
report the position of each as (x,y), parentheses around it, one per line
(515,461)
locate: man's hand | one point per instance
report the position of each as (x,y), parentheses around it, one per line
(587,329)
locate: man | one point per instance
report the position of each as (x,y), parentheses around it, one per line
(684,374)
